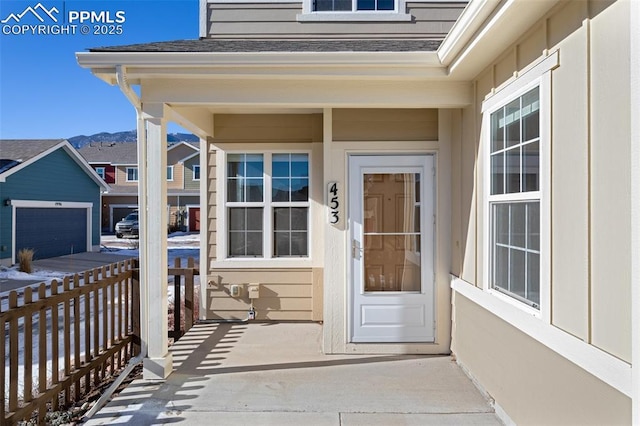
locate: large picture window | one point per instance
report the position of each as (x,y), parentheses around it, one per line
(514,200)
(267,201)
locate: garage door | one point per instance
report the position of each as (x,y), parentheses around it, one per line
(51,232)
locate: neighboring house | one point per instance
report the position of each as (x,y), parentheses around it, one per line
(49,200)
(118,163)
(419,177)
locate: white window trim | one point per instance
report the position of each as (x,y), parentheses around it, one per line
(538,75)
(102,175)
(398,14)
(267,243)
(127,174)
(172,171)
(193,172)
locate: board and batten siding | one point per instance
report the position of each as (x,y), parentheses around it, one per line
(590,212)
(431,20)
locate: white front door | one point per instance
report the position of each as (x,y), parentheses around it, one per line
(391,220)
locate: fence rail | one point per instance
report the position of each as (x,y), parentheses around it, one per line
(88,323)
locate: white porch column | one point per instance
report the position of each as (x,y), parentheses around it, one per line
(634,25)
(152,181)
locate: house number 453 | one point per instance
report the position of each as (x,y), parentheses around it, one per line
(333,203)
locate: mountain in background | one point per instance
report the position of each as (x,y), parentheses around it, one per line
(128,136)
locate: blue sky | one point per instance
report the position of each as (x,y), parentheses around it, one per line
(44,94)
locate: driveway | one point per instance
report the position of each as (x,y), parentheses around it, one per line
(275,374)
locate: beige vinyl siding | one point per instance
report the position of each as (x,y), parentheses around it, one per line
(278,20)
(514,369)
(121,176)
(211,206)
(385,124)
(285,294)
(178,177)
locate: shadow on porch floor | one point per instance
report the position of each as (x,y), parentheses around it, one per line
(275,374)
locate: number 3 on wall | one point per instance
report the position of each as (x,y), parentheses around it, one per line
(333,203)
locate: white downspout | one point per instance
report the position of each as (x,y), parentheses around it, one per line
(133,98)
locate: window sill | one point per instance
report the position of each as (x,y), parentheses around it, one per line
(249,263)
(354,17)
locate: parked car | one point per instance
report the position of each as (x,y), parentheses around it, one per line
(128,226)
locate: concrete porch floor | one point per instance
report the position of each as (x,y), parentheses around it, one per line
(275,374)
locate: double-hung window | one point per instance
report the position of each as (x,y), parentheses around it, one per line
(514,198)
(353,5)
(101,172)
(267,205)
(132,174)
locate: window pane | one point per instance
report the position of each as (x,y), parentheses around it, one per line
(328,5)
(497,173)
(280,165)
(299,189)
(237,244)
(518,222)
(517,272)
(254,244)
(254,190)
(280,189)
(235,167)
(299,220)
(282,218)
(254,218)
(512,122)
(513,170)
(533,278)
(385,5)
(299,244)
(237,220)
(501,224)
(501,268)
(255,167)
(531,166)
(235,191)
(366,4)
(531,115)
(533,226)
(299,165)
(282,244)
(497,130)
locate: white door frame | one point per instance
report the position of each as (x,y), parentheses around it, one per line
(421,305)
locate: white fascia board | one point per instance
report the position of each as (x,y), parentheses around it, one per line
(106,61)
(194,155)
(180,144)
(472,17)
(487,32)
(71,151)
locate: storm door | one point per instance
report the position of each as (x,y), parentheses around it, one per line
(391,226)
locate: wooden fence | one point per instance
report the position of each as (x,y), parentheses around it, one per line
(182,323)
(63,338)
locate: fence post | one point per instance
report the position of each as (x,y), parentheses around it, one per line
(135,309)
(188,295)
(177,302)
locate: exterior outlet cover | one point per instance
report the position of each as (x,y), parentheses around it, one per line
(236,290)
(254,291)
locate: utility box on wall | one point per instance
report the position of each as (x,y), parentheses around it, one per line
(254,291)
